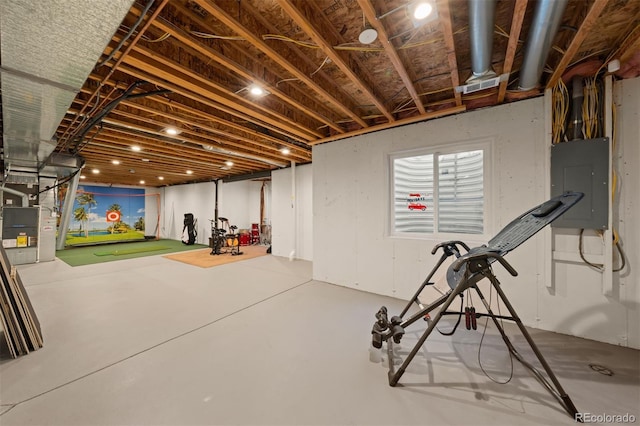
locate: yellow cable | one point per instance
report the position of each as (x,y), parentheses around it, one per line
(559,95)
(290,40)
(159,39)
(206,35)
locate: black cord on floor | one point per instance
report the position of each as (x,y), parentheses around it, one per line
(482,340)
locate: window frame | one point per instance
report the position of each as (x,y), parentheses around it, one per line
(484,144)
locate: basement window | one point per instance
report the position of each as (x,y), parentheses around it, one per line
(439,191)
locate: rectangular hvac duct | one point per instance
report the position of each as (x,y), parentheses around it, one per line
(44,67)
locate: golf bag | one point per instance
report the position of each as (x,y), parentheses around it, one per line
(190,225)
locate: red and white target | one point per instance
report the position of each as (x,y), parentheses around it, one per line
(113,216)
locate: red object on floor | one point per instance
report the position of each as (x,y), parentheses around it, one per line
(255,233)
(244,239)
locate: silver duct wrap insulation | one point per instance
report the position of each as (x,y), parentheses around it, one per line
(481,20)
(545,24)
(48,49)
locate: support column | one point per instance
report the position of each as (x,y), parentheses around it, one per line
(67,209)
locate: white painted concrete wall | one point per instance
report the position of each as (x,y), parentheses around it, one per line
(352,248)
(238,201)
(292,215)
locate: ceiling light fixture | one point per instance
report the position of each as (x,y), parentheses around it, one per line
(136,148)
(141,182)
(257,91)
(161,177)
(368,36)
(115,162)
(422,10)
(172,131)
(189,172)
(83,177)
(285,151)
(95,171)
(229,163)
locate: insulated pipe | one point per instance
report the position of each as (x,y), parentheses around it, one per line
(546,20)
(25,197)
(481,19)
(577,98)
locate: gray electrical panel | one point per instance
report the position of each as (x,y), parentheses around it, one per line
(582,166)
(20,233)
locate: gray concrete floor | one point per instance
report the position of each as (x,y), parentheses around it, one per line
(157,342)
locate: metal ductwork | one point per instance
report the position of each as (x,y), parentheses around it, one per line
(24,197)
(546,20)
(43,67)
(481,22)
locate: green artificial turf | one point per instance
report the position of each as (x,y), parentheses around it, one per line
(122,252)
(87,255)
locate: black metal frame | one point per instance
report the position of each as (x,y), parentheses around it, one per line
(464,274)
(217,238)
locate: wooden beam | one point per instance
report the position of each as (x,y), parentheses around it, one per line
(126,128)
(302,21)
(212,54)
(384,126)
(202,114)
(514,36)
(215,10)
(186,78)
(444,16)
(390,50)
(197,138)
(181,84)
(584,30)
(229,138)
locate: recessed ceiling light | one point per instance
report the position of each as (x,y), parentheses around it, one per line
(171,131)
(189,172)
(116,162)
(95,171)
(142,182)
(257,91)
(229,163)
(146,160)
(285,151)
(422,10)
(136,148)
(161,177)
(83,177)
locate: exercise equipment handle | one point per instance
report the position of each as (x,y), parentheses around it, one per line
(447,247)
(484,256)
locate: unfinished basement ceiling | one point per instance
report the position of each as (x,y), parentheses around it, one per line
(189,65)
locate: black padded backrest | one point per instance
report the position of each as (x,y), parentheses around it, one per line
(519,230)
(529,223)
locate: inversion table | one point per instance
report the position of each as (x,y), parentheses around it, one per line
(464,274)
